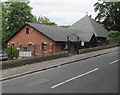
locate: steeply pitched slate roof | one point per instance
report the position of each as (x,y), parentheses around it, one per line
(85,36)
(86,24)
(84,29)
(60,34)
(53,32)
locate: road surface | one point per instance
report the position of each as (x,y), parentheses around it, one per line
(94,75)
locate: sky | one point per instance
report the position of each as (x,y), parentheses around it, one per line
(63,12)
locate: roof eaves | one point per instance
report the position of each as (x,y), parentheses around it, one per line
(23,27)
(16,32)
(92,26)
(40,32)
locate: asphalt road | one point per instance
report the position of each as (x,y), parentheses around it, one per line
(95,75)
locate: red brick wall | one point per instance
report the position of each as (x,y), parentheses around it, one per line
(35,38)
(58,48)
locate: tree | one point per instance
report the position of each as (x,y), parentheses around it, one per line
(114,36)
(108,15)
(14,15)
(65,26)
(12,52)
(43,20)
(0,25)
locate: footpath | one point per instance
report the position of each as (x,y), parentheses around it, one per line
(40,66)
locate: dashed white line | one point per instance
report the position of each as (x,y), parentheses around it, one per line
(114,61)
(74,78)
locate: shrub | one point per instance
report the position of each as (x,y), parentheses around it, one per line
(12,52)
(114,37)
(31,60)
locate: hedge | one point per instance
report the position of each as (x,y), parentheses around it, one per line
(96,48)
(35,59)
(31,60)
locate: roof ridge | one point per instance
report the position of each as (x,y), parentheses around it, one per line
(38,24)
(90,19)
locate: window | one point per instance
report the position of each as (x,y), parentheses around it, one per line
(12,45)
(24,48)
(30,47)
(64,46)
(44,47)
(27,30)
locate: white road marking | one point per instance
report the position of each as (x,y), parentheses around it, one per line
(74,78)
(114,61)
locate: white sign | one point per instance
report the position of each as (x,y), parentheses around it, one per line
(82,43)
(25,54)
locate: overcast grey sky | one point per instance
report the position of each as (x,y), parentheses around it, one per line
(63,12)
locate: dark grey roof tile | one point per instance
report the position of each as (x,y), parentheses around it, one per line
(59,33)
(86,24)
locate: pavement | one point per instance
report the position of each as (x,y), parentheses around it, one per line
(40,66)
(94,75)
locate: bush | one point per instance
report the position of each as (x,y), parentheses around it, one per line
(114,37)
(35,59)
(12,52)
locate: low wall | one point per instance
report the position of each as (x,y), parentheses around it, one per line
(35,59)
(96,48)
